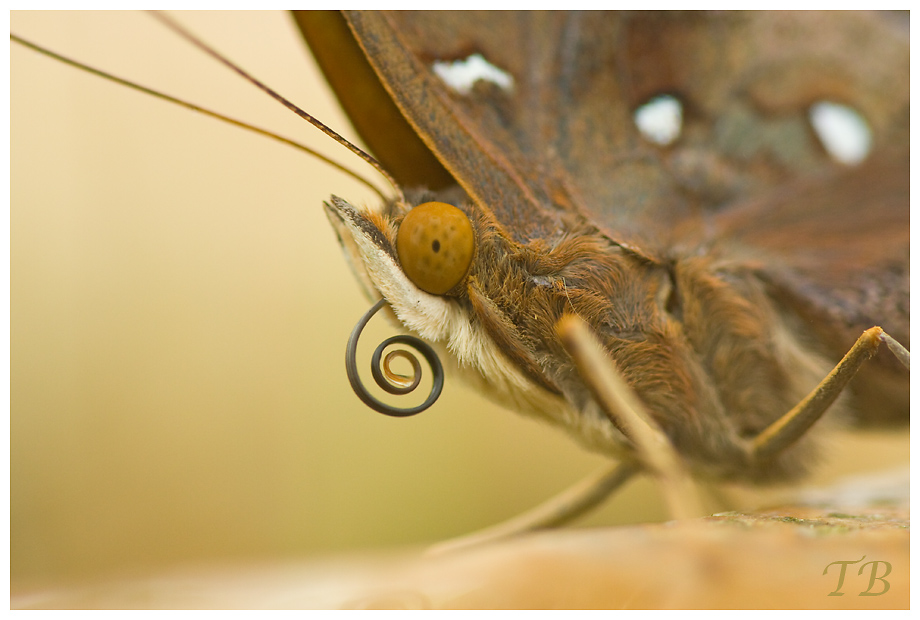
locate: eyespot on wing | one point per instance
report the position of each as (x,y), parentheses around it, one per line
(435,245)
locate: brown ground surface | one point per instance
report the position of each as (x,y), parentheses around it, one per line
(779,558)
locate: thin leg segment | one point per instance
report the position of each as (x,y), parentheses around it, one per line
(562,508)
(616,398)
(789,428)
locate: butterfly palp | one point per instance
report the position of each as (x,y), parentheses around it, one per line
(435,244)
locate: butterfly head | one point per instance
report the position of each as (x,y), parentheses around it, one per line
(432,263)
(417,259)
(454,275)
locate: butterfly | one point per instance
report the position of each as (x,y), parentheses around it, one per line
(396,440)
(717,268)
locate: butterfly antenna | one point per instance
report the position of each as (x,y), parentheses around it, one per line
(191,38)
(196,108)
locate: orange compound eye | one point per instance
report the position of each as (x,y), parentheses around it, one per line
(435,246)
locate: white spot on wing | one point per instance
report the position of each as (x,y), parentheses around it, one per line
(461,75)
(842,130)
(660,119)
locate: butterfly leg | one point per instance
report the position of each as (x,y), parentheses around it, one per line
(653,448)
(572,502)
(789,428)
(654,451)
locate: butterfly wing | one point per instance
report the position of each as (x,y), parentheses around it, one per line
(563,135)
(370,107)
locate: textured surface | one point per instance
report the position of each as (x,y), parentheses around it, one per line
(771,559)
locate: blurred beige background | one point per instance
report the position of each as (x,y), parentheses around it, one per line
(179,311)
